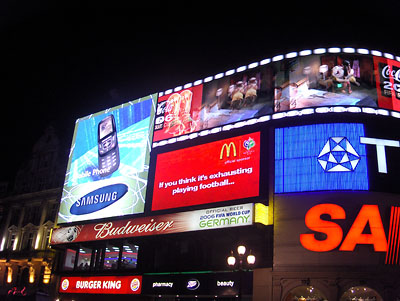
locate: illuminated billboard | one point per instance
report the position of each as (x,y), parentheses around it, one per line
(197,220)
(309,78)
(213,172)
(101,285)
(320,157)
(108,164)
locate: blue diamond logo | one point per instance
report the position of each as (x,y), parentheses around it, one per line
(338,155)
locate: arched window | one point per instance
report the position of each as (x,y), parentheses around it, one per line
(361,293)
(305,293)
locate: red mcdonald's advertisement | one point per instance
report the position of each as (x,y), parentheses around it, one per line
(101,285)
(218,171)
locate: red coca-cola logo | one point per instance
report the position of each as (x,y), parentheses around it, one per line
(388,73)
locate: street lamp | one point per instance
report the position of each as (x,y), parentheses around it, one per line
(241,250)
(251,259)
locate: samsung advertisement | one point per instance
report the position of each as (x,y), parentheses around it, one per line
(108,163)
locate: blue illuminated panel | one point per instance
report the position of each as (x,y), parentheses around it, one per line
(320,157)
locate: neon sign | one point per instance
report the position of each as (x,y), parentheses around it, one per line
(368,215)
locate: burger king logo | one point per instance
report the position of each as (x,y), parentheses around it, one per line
(65,284)
(135,284)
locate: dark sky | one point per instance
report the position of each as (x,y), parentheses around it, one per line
(61,63)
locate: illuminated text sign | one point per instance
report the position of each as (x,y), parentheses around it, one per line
(101,285)
(368,215)
(208,173)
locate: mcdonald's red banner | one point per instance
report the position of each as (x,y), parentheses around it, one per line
(218,171)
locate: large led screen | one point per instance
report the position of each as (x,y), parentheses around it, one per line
(108,164)
(218,171)
(320,157)
(320,78)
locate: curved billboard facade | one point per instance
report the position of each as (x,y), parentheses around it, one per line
(296,156)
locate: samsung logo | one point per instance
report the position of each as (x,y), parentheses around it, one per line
(99,199)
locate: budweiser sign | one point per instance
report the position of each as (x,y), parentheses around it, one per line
(215,218)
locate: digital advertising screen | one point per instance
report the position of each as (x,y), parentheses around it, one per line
(108,163)
(325,80)
(320,157)
(319,78)
(223,170)
(178,113)
(388,83)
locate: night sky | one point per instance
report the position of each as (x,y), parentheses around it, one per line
(61,63)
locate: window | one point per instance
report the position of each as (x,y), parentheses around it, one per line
(11,241)
(28,241)
(69,260)
(111,257)
(129,256)
(84,258)
(305,293)
(361,293)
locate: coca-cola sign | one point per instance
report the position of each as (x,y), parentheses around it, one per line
(207,219)
(387,83)
(389,72)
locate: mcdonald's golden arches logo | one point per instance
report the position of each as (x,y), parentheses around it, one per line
(228,147)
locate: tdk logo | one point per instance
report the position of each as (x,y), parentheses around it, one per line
(338,155)
(317,157)
(99,199)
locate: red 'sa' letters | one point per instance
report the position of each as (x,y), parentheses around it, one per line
(369,214)
(332,230)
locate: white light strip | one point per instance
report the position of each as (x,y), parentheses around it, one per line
(362,51)
(382,112)
(354,110)
(278,58)
(265,61)
(264,118)
(305,52)
(242,68)
(395,114)
(349,50)
(208,79)
(198,82)
(376,53)
(169,91)
(227,127)
(322,110)
(369,110)
(229,72)
(215,130)
(388,56)
(219,75)
(204,133)
(291,55)
(253,65)
(334,50)
(188,85)
(178,89)
(160,94)
(319,51)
